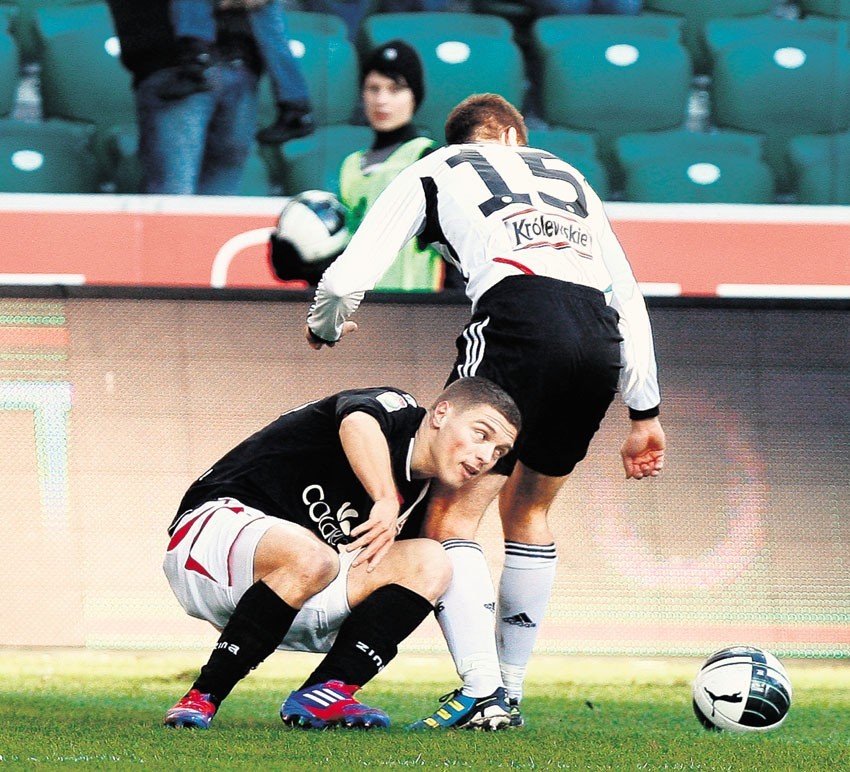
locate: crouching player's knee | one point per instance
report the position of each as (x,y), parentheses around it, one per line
(427,568)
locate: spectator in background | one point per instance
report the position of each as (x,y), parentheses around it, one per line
(195,28)
(392,87)
(559,7)
(198,144)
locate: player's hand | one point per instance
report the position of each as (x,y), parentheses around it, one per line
(316,343)
(376,535)
(643,450)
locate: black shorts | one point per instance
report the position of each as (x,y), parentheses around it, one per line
(555,348)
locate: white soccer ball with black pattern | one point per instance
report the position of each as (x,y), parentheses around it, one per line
(313,222)
(742,689)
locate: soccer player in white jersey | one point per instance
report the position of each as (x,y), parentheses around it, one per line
(289,540)
(558,321)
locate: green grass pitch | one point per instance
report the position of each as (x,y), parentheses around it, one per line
(104,708)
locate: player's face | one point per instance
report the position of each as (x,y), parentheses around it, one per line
(470,442)
(388,104)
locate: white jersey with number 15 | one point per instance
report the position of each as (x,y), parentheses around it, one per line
(494,211)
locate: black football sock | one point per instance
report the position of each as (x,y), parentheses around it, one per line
(368,639)
(257,626)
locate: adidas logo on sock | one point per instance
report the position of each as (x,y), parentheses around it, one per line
(520,620)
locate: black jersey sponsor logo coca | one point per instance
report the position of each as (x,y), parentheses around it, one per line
(334,527)
(532,228)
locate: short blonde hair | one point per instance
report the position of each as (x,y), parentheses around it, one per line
(484,117)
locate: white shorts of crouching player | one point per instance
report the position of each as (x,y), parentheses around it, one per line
(210,564)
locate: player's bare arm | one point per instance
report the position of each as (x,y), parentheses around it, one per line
(643,450)
(369,455)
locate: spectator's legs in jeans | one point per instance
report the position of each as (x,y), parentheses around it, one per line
(171,136)
(268,23)
(294,115)
(198,144)
(230,134)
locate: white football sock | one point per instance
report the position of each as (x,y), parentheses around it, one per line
(466,615)
(524,590)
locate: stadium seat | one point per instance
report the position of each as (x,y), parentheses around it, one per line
(781,78)
(821,166)
(684,166)
(9,67)
(260,175)
(612,75)
(328,61)
(23,23)
(119,146)
(577,149)
(312,163)
(516,12)
(48,157)
(462,54)
(835,8)
(351,13)
(696,13)
(82,78)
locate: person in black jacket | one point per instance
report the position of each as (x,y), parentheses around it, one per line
(198,143)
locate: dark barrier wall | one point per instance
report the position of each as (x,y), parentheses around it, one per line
(110,407)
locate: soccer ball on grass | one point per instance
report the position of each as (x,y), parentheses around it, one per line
(742,689)
(309,234)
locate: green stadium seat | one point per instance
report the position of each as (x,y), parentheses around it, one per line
(312,163)
(691,167)
(462,54)
(821,166)
(328,61)
(120,145)
(696,13)
(24,26)
(516,12)
(577,149)
(836,8)
(9,67)
(260,175)
(613,75)
(48,157)
(780,78)
(351,13)
(82,78)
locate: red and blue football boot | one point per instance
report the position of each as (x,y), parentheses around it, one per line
(330,704)
(194,711)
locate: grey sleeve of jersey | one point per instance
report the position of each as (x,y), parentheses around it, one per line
(397,216)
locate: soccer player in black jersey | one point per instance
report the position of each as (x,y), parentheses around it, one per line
(305,536)
(558,321)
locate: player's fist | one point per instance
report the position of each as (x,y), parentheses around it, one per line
(315,342)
